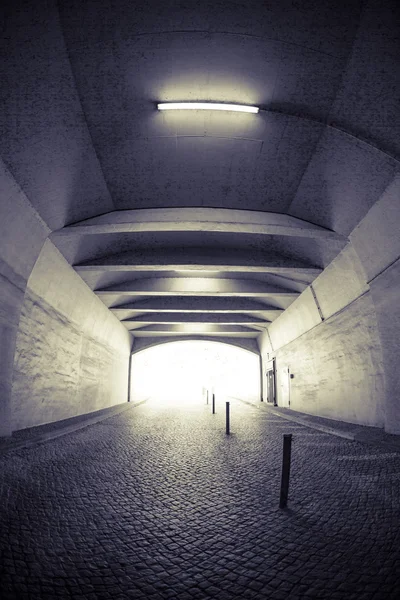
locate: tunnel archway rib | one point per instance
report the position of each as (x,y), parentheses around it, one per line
(192,290)
(198,219)
(181,255)
(193,306)
(245,344)
(198,286)
(177,318)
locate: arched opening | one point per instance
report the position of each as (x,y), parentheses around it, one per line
(180,373)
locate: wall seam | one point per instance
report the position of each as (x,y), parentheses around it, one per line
(270,341)
(384,270)
(18,283)
(314,295)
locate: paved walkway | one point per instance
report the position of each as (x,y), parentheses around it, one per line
(159,503)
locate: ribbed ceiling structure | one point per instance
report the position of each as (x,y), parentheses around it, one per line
(200,223)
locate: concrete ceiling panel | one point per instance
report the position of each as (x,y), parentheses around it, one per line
(287,149)
(317,252)
(20,222)
(45,141)
(184,171)
(144,154)
(306,82)
(344,179)
(368,103)
(376,238)
(327,28)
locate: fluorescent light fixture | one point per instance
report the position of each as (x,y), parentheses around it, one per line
(207,106)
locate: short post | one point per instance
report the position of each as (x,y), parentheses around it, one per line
(227,419)
(287,448)
(207,396)
(213,404)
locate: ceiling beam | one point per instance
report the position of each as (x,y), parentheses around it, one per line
(291,270)
(200,268)
(202,329)
(246,343)
(198,219)
(213,328)
(126,317)
(199,259)
(185,318)
(161,334)
(183,304)
(201,286)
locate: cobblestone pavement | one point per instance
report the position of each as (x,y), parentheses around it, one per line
(158,503)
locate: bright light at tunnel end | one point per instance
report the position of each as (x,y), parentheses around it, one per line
(207,106)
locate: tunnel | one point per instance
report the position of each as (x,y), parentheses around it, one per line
(191,371)
(220,178)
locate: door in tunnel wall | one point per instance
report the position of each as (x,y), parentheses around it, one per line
(270,376)
(270,387)
(181,372)
(283,396)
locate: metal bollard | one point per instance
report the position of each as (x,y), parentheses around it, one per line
(213,404)
(227,419)
(287,448)
(207,396)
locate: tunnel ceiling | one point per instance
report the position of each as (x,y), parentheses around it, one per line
(200,222)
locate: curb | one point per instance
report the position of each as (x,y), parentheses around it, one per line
(374,437)
(52,435)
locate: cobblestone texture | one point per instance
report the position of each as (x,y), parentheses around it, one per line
(159,503)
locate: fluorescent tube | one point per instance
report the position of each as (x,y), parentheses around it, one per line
(206,106)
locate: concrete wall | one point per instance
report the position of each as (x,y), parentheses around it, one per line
(18,222)
(377,243)
(327,348)
(385,292)
(340,339)
(336,367)
(72,354)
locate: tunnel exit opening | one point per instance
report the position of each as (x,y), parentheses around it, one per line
(180,373)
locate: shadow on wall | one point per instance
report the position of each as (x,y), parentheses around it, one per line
(180,372)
